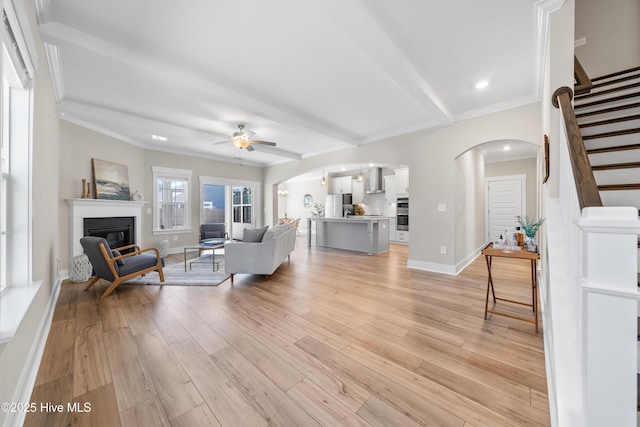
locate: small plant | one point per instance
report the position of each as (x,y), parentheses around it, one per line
(530,226)
(318,210)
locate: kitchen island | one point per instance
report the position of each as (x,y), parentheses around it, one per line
(368,234)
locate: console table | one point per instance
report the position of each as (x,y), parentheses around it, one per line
(489,252)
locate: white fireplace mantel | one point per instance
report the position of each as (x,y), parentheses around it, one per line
(79,209)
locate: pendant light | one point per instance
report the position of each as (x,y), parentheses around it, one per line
(324,181)
(360,177)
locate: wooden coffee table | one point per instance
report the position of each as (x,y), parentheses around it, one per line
(205,245)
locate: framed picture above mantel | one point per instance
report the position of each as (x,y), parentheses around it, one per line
(110,180)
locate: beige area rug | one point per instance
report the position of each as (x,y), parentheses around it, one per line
(199,273)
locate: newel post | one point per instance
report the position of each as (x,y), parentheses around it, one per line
(608,315)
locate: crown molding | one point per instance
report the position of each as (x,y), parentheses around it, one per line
(53,59)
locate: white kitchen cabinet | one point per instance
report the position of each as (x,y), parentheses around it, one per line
(392,229)
(402,182)
(402,236)
(357,188)
(341,185)
(390,189)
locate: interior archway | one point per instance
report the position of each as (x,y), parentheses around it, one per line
(498,159)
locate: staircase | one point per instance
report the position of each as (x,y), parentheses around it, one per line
(608,115)
(609,121)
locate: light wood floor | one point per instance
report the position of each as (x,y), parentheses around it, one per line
(333,338)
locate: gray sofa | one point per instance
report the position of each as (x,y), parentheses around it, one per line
(262,257)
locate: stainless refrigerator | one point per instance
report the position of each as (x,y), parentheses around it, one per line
(336,204)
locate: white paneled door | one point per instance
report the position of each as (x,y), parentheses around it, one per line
(505,201)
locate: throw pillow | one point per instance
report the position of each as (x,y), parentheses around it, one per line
(253,235)
(115,253)
(270,234)
(213,234)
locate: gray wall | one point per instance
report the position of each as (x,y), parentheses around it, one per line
(17,357)
(528,167)
(80,145)
(612,29)
(430,155)
(469,209)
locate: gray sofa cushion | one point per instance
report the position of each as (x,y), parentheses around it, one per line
(275,231)
(212,235)
(253,235)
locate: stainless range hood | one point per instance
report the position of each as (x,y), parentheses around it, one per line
(375,181)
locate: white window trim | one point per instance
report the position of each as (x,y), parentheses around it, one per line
(159,171)
(16,299)
(229,183)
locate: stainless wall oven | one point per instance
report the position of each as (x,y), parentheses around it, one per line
(402,214)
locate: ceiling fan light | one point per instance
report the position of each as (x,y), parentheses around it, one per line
(240,142)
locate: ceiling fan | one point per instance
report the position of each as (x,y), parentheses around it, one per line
(242,138)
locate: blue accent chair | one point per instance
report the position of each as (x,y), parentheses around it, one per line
(113,267)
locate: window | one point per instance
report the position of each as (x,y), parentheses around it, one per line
(15,155)
(242,205)
(4,171)
(213,204)
(171,201)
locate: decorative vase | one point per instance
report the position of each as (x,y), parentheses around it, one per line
(80,269)
(84,189)
(88,190)
(531,245)
(163,247)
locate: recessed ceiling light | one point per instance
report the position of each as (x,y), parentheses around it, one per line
(482,84)
(159,138)
(506,148)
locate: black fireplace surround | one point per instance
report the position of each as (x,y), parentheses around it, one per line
(117,231)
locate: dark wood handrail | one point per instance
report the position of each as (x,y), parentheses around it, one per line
(583,82)
(586,186)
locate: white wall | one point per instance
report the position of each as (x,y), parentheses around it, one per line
(612,29)
(293,204)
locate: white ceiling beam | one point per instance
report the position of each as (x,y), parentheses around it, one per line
(81,109)
(62,35)
(369,36)
(277,152)
(73,111)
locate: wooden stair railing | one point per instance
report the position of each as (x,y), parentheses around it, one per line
(586,187)
(582,80)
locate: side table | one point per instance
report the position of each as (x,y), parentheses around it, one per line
(489,252)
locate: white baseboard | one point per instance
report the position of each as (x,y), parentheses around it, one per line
(468,260)
(432,266)
(452,270)
(32,363)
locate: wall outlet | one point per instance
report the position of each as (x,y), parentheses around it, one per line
(442,207)
(175,238)
(443,250)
